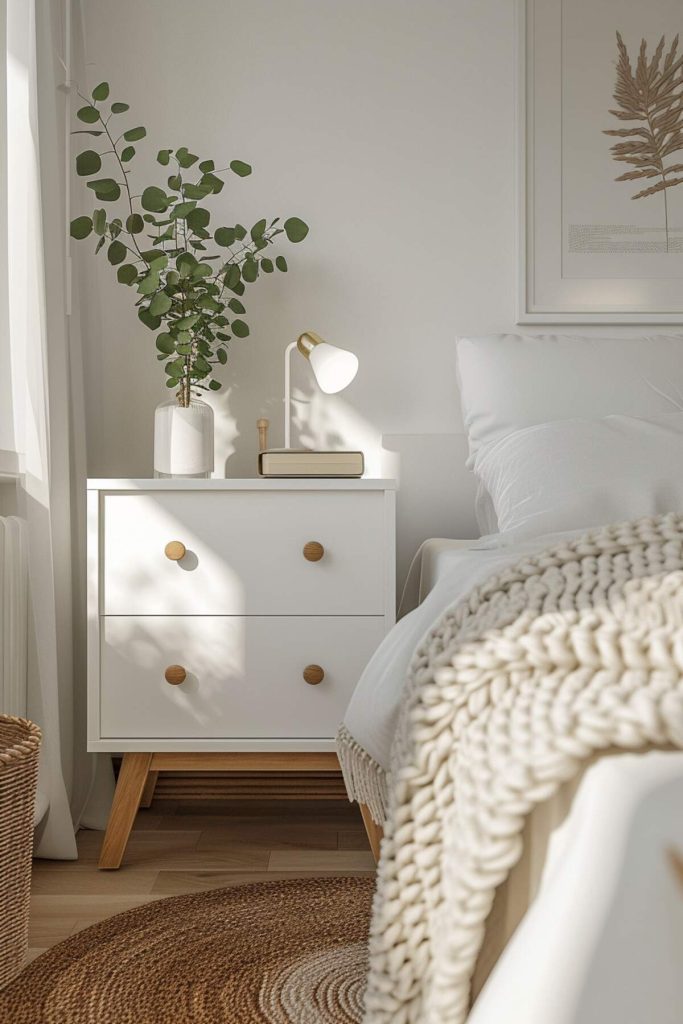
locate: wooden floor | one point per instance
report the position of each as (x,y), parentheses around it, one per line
(187,847)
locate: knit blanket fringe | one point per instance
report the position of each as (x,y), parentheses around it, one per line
(365,780)
(569,652)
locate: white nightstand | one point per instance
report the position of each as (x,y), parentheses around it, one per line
(228,623)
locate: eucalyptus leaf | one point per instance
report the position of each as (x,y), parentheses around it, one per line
(154,199)
(126,274)
(212,183)
(236,306)
(127,153)
(160,304)
(184,157)
(222,356)
(197,191)
(258,229)
(81,227)
(166,344)
(134,224)
(153,322)
(88,114)
(159,262)
(186,322)
(99,222)
(88,162)
(163,156)
(181,210)
(215,385)
(119,108)
(281,264)
(206,165)
(240,168)
(267,265)
(225,237)
(201,364)
(116,253)
(186,263)
(249,271)
(295,229)
(101,91)
(198,218)
(176,368)
(232,276)
(106,188)
(135,134)
(100,243)
(149,283)
(240,329)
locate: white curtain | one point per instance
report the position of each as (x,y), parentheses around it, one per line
(47,404)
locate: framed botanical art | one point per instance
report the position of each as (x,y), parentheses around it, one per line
(601,161)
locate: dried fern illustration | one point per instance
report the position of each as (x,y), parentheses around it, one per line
(652,97)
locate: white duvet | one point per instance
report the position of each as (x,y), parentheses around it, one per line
(602,942)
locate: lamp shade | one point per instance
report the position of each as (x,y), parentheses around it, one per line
(334,368)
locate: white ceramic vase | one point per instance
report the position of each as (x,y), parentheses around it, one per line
(183,439)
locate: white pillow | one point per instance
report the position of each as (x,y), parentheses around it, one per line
(510,381)
(579,473)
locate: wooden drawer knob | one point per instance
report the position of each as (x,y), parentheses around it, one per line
(175,550)
(313,674)
(175,675)
(313,551)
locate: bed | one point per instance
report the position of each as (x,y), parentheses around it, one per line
(552,462)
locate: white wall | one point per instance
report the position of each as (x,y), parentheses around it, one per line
(388,125)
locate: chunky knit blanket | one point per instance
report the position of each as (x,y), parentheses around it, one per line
(564,654)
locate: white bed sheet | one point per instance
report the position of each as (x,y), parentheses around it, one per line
(372,714)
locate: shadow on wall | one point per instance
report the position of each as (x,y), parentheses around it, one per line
(324,422)
(435,496)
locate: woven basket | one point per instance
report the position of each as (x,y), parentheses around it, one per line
(19,752)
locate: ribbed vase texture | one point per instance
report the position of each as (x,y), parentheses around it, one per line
(183,439)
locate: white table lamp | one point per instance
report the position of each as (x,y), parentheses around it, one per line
(333,368)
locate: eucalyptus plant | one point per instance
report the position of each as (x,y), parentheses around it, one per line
(188,279)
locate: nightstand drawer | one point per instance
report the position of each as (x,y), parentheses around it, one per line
(230,676)
(242,553)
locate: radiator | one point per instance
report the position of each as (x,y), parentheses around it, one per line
(13,615)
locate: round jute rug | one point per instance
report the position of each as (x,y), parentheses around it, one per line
(274,953)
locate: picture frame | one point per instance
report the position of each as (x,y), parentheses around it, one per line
(572,269)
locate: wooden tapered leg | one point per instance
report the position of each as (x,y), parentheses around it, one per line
(373,830)
(129,790)
(150,786)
